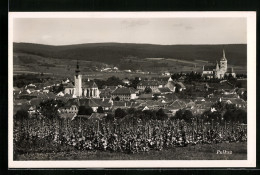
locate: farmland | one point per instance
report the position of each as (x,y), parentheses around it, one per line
(60,60)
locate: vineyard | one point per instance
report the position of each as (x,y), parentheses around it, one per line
(128,135)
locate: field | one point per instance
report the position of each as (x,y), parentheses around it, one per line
(198,152)
(61,60)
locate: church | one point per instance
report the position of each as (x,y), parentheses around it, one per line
(87,89)
(219,70)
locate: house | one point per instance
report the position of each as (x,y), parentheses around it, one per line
(60,94)
(239,103)
(124,94)
(96,116)
(16,90)
(81,88)
(122,104)
(176,105)
(182,78)
(230,96)
(146,97)
(153,84)
(145,108)
(32,110)
(241,91)
(105,103)
(166,73)
(126,81)
(154,105)
(164,90)
(65,81)
(68,116)
(219,70)
(180,85)
(170,85)
(201,106)
(230,72)
(199,99)
(31,87)
(71,106)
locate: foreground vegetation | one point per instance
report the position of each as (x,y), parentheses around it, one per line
(130,134)
(198,152)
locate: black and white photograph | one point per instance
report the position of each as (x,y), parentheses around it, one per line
(132,89)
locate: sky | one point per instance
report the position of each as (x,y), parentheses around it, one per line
(164,31)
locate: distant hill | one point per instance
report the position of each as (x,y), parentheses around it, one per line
(113,53)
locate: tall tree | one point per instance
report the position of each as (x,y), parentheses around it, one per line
(49,108)
(120,113)
(21,114)
(100,109)
(161,114)
(147,90)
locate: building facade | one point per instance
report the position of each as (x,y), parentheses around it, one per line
(87,89)
(219,70)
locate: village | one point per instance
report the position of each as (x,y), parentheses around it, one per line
(130,115)
(195,92)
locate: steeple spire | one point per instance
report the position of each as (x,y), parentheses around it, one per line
(77,71)
(224,55)
(77,64)
(217,66)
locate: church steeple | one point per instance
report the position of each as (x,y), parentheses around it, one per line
(217,66)
(77,71)
(224,55)
(78,81)
(223,63)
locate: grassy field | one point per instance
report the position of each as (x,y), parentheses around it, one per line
(61,60)
(198,152)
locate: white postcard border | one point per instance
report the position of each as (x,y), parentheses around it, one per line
(251,112)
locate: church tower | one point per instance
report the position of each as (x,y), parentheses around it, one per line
(223,63)
(78,82)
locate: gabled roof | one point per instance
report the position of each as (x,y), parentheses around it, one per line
(241,90)
(122,91)
(164,90)
(89,84)
(209,67)
(177,104)
(149,83)
(170,84)
(112,88)
(47,83)
(69,85)
(230,70)
(95,102)
(96,116)
(70,116)
(122,104)
(71,102)
(35,101)
(180,84)
(170,97)
(238,101)
(146,96)
(16,89)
